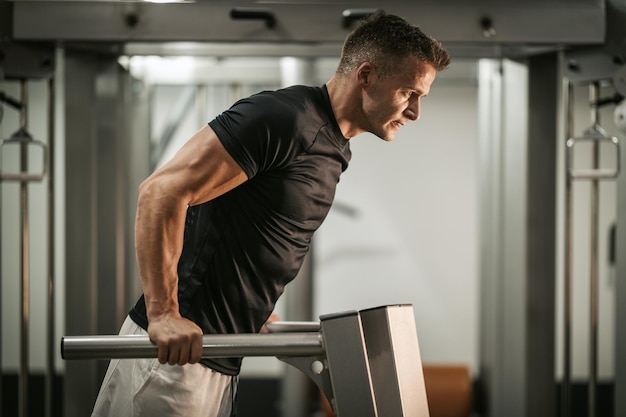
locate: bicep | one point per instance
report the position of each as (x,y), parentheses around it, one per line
(201,170)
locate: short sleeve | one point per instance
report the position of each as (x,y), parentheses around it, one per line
(258,133)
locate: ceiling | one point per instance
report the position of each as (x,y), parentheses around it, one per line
(466,22)
(468,28)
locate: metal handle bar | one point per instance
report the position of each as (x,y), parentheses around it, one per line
(213,346)
(293,326)
(22,137)
(592,174)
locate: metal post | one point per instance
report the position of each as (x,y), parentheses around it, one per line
(50,345)
(23,376)
(23,140)
(596,135)
(298,396)
(1,370)
(593,250)
(620,293)
(567,280)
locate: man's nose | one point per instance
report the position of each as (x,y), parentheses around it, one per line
(413,111)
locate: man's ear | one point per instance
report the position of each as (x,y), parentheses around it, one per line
(364,73)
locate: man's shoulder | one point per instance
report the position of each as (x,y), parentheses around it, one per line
(286,103)
(293,94)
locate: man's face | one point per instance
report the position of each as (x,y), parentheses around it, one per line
(391,102)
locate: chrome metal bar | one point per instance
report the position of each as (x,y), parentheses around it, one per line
(213,346)
(23,139)
(24,368)
(50,342)
(293,326)
(593,251)
(597,136)
(1,333)
(567,279)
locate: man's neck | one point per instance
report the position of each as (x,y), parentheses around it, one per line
(344,100)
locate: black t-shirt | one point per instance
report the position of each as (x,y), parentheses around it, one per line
(243,247)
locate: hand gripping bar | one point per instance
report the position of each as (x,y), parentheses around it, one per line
(213,346)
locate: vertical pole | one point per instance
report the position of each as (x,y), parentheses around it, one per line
(80,255)
(299,394)
(518,108)
(50,375)
(620,293)
(593,288)
(544,104)
(1,370)
(567,280)
(23,377)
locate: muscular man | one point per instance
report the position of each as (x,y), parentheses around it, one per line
(226,223)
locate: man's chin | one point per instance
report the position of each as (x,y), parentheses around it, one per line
(386,136)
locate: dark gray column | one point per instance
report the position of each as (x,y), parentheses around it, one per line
(98,218)
(517,153)
(81,298)
(543,139)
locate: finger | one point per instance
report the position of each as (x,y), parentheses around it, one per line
(183,357)
(173,355)
(162,353)
(196,349)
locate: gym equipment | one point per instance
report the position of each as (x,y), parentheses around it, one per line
(371,355)
(24,141)
(596,135)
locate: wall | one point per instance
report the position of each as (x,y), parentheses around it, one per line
(409,235)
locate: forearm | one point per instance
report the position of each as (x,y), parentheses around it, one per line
(200,171)
(159,229)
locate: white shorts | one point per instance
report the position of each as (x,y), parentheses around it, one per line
(146,388)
